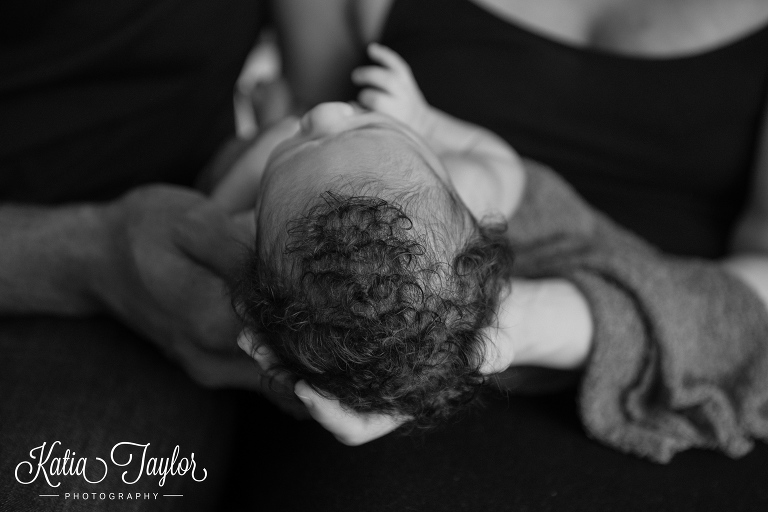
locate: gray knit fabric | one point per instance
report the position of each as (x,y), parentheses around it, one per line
(680,353)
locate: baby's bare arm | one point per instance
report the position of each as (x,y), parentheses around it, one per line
(237,191)
(485,171)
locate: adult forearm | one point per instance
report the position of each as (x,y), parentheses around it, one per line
(678,357)
(447,134)
(155,259)
(553,318)
(544,322)
(319,47)
(47,257)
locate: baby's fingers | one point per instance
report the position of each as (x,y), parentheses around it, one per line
(377,101)
(374,76)
(388,58)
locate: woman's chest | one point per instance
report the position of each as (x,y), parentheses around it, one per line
(678,133)
(653,28)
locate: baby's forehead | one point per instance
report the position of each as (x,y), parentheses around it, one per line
(362,162)
(379,150)
(361,156)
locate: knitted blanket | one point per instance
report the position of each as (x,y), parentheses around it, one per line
(680,349)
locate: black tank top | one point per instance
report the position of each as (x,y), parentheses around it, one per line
(97,97)
(664,146)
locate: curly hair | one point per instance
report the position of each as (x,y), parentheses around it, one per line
(367,311)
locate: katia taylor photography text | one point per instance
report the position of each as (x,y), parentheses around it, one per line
(52,462)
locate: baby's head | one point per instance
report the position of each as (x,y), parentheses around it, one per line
(370,280)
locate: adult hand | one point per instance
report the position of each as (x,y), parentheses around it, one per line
(541,322)
(347,426)
(168,253)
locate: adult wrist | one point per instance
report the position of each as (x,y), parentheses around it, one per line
(89,258)
(549,324)
(48,257)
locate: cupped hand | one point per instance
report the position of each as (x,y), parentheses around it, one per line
(347,426)
(354,428)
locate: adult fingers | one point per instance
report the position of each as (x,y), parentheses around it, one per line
(266,359)
(222,370)
(214,239)
(348,427)
(242,373)
(499,353)
(261,353)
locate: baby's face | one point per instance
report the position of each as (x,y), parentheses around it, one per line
(336,142)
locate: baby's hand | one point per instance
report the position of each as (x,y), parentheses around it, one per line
(391,89)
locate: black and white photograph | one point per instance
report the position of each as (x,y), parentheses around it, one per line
(384,256)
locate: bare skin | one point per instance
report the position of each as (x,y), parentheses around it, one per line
(324,42)
(156,259)
(336,140)
(319,58)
